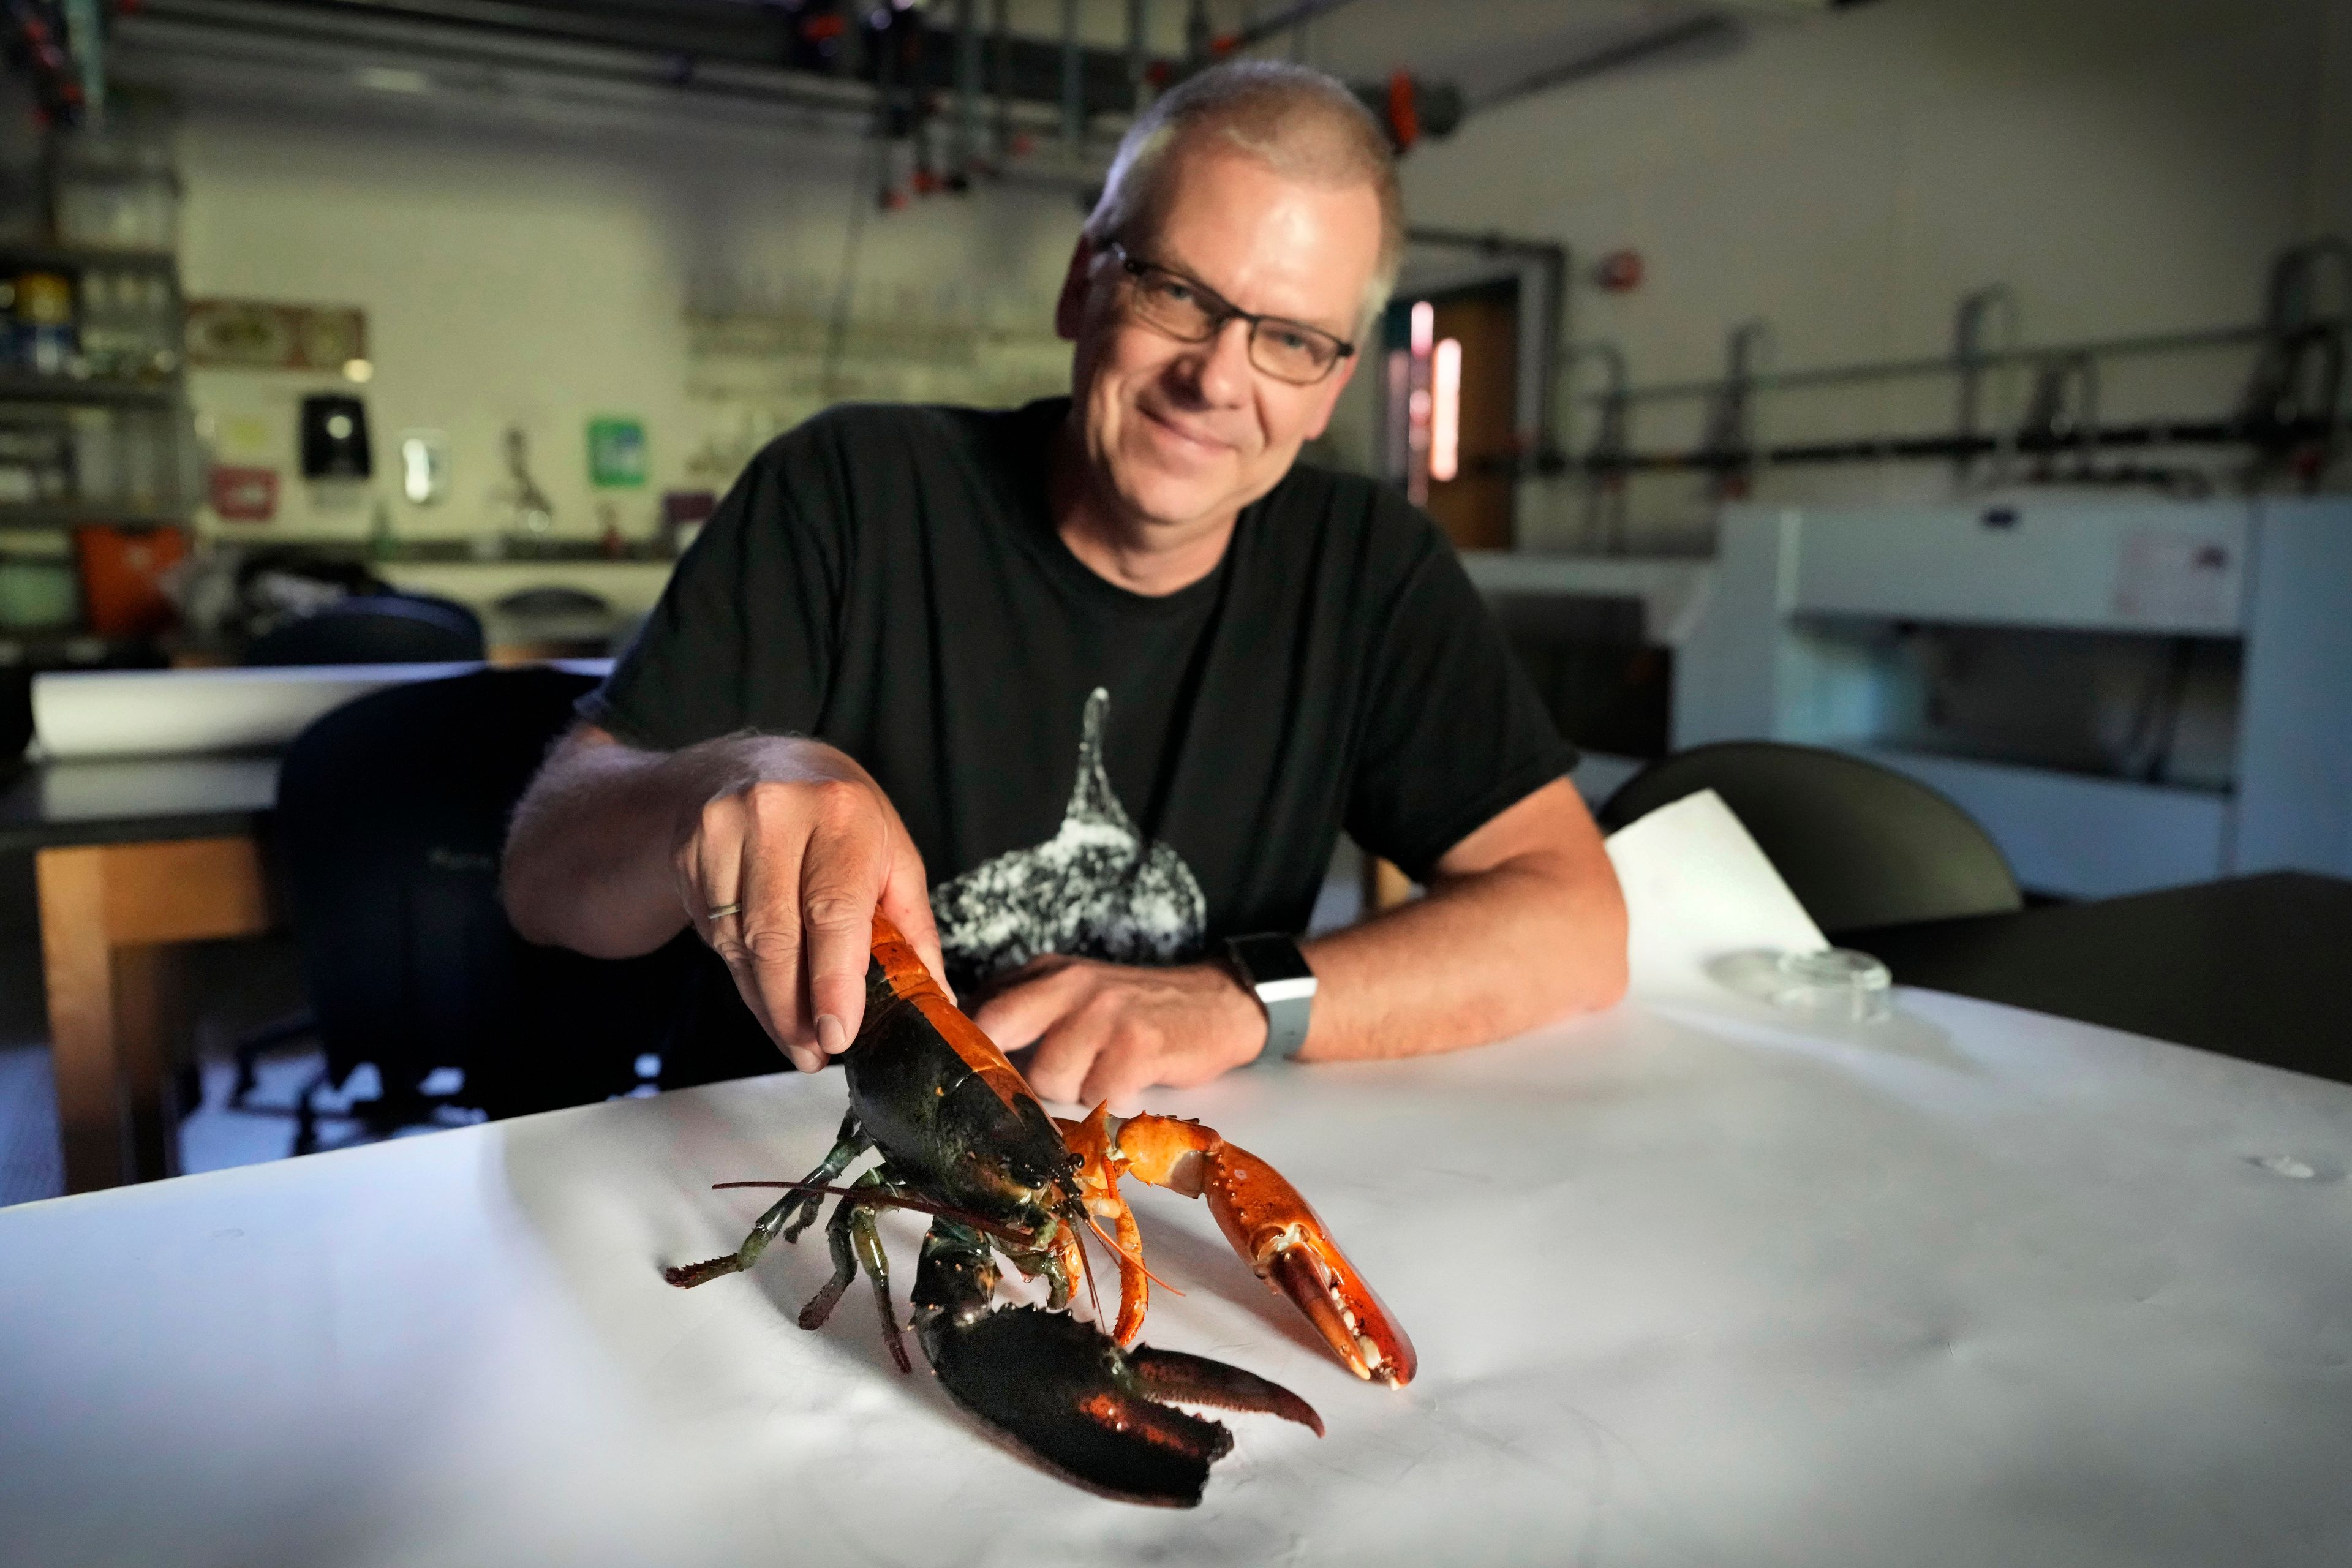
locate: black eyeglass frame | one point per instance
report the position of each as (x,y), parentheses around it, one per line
(1221,311)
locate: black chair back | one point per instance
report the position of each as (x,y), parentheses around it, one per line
(375,628)
(555,601)
(392,814)
(1859,843)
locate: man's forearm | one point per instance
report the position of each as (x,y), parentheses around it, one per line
(1482,959)
(588,859)
(1487,954)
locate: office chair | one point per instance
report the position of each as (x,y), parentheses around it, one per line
(1860,845)
(555,601)
(375,628)
(553,620)
(391,813)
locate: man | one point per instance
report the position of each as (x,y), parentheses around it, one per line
(1111,670)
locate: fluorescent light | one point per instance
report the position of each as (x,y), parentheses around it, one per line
(1445,412)
(1424,326)
(393,79)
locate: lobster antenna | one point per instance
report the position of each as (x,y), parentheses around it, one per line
(892,1200)
(1135,1258)
(1093,1299)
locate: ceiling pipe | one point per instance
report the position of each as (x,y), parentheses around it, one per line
(1073,82)
(1001,67)
(226,34)
(1199,33)
(967,74)
(1970,352)
(86,40)
(1139,51)
(719,28)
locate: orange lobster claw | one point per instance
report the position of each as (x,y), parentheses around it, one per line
(1264,1217)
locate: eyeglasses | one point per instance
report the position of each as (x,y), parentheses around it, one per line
(1192,312)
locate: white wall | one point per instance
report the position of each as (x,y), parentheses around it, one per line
(2126,166)
(543,275)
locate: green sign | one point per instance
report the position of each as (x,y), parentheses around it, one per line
(616,453)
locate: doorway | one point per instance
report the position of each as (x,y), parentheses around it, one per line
(1452,396)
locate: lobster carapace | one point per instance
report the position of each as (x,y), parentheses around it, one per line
(961,1137)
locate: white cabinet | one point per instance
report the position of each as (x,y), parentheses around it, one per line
(2158,567)
(1813,628)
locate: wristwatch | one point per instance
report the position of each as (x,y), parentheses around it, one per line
(1278,974)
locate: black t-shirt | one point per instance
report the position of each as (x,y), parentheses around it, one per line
(1084,769)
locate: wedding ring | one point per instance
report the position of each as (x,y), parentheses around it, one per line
(724,910)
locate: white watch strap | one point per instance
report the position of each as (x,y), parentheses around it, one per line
(1276,973)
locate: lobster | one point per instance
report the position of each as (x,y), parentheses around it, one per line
(961,1137)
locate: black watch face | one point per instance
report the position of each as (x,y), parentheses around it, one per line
(1270,958)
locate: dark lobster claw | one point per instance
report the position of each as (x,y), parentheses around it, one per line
(1067,1392)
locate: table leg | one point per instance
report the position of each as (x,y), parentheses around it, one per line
(151,1034)
(77,964)
(109,914)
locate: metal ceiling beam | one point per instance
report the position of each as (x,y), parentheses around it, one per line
(285,71)
(221,28)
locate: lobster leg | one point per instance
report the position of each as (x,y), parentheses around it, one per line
(848,1145)
(791,1213)
(1264,1217)
(1069,1395)
(1099,1166)
(854,1240)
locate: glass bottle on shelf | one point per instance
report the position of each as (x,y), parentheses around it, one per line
(98,452)
(22,461)
(36,459)
(101,323)
(147,461)
(116,188)
(45,323)
(152,333)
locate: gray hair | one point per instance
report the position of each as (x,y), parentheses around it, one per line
(1297,121)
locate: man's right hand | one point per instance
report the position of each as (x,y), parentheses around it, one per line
(778,850)
(782,876)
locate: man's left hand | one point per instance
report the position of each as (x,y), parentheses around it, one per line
(1109,1031)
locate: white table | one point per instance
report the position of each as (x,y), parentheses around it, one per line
(1690,1284)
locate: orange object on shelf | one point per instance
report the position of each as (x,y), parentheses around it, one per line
(121,577)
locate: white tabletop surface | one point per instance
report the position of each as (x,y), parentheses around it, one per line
(1692,1283)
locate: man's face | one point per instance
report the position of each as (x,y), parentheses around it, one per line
(1179,433)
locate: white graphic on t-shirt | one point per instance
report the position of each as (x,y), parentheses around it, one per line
(1095,890)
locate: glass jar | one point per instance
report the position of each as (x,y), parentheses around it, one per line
(115,191)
